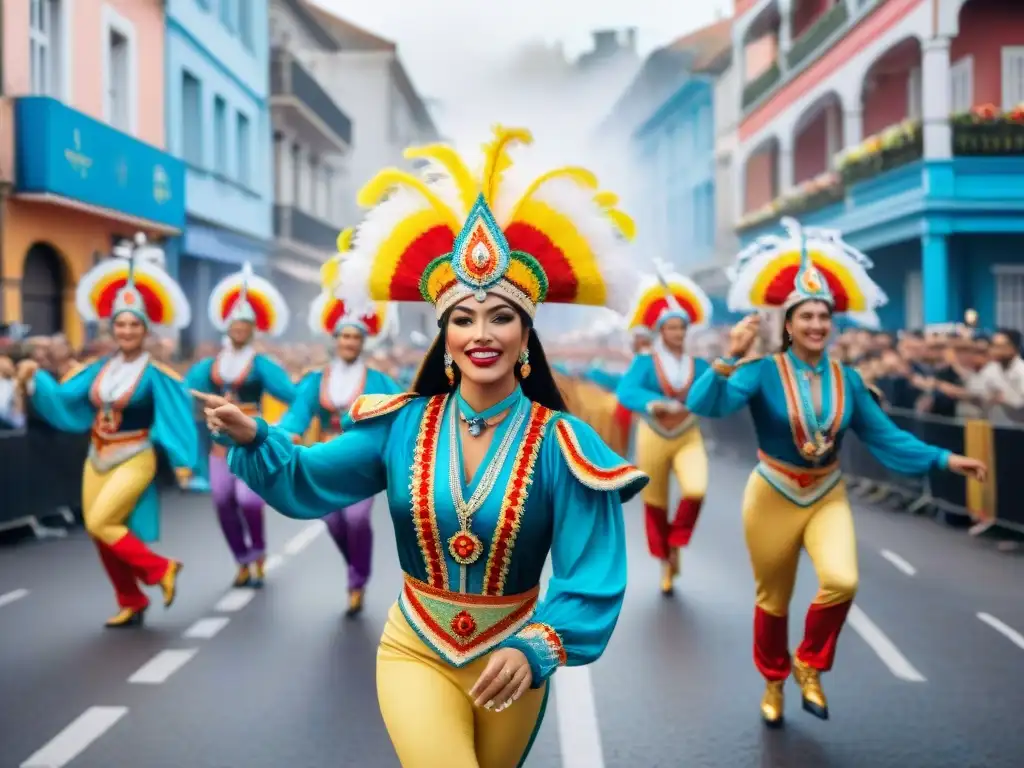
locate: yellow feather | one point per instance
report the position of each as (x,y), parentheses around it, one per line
(345,240)
(497,160)
(449,159)
(606,199)
(377,189)
(329,272)
(623,221)
(581,176)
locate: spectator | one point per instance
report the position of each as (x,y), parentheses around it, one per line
(12,409)
(1001,381)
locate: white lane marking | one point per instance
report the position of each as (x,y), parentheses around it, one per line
(162,666)
(73,740)
(273,562)
(899,562)
(1005,630)
(235,600)
(304,538)
(206,628)
(883,646)
(578,736)
(11,597)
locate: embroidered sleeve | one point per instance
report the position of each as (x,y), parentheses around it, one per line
(593,463)
(725,387)
(373,406)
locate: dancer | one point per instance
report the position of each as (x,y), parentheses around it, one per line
(668,439)
(241,305)
(326,394)
(802,402)
(132,405)
(485,474)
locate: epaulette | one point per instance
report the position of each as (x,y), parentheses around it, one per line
(166,370)
(372,406)
(77,369)
(617,477)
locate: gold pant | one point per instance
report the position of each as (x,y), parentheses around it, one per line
(660,458)
(109,498)
(429,715)
(776,530)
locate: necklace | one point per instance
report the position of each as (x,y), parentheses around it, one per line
(820,444)
(465,546)
(478,422)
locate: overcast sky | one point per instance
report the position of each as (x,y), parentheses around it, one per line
(445,47)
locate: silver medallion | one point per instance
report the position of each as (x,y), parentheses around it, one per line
(480,296)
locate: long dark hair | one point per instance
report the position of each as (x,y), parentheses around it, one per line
(539,386)
(787,340)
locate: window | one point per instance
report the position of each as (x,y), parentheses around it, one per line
(118,93)
(243,148)
(245,23)
(1013,76)
(191,120)
(46,47)
(227,14)
(914,94)
(961,83)
(913,300)
(1009,298)
(220,135)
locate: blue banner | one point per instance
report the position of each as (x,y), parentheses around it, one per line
(63,152)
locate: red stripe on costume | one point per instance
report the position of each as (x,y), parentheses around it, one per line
(153,306)
(821,634)
(516,492)
(405,281)
(370,406)
(422,491)
(586,468)
(771,645)
(782,285)
(562,283)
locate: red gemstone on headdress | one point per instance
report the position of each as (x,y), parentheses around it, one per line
(129,298)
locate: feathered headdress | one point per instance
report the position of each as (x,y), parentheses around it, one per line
(247,297)
(804,265)
(133,281)
(452,234)
(665,295)
(329,314)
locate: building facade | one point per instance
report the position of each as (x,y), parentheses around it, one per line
(899,123)
(312,137)
(82,159)
(387,114)
(218,124)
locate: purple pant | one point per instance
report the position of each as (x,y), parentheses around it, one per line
(351,531)
(240,512)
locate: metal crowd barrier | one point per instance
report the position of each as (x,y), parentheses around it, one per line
(998,502)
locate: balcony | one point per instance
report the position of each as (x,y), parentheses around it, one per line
(761,85)
(298,100)
(297,226)
(817,35)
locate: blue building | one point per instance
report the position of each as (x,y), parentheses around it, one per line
(218,123)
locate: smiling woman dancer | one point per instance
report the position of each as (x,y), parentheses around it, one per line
(325,395)
(485,474)
(802,402)
(242,305)
(668,439)
(132,405)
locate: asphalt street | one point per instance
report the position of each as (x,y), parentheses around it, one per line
(929,671)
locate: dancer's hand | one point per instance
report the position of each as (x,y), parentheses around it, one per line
(506,678)
(743,335)
(26,370)
(226,419)
(972,468)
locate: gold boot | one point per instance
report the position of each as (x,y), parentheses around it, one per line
(809,680)
(169,582)
(127,617)
(772,703)
(259,572)
(355,603)
(243,577)
(667,575)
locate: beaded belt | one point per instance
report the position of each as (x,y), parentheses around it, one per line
(461,627)
(801,485)
(110,449)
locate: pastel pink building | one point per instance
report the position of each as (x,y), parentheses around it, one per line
(81,134)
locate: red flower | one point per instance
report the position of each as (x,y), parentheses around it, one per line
(463,624)
(985,111)
(464,546)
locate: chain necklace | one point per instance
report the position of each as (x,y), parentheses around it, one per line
(465,546)
(478,422)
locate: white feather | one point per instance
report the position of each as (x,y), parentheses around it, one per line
(255,286)
(118,268)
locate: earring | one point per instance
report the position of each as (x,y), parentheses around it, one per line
(524,364)
(449,371)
